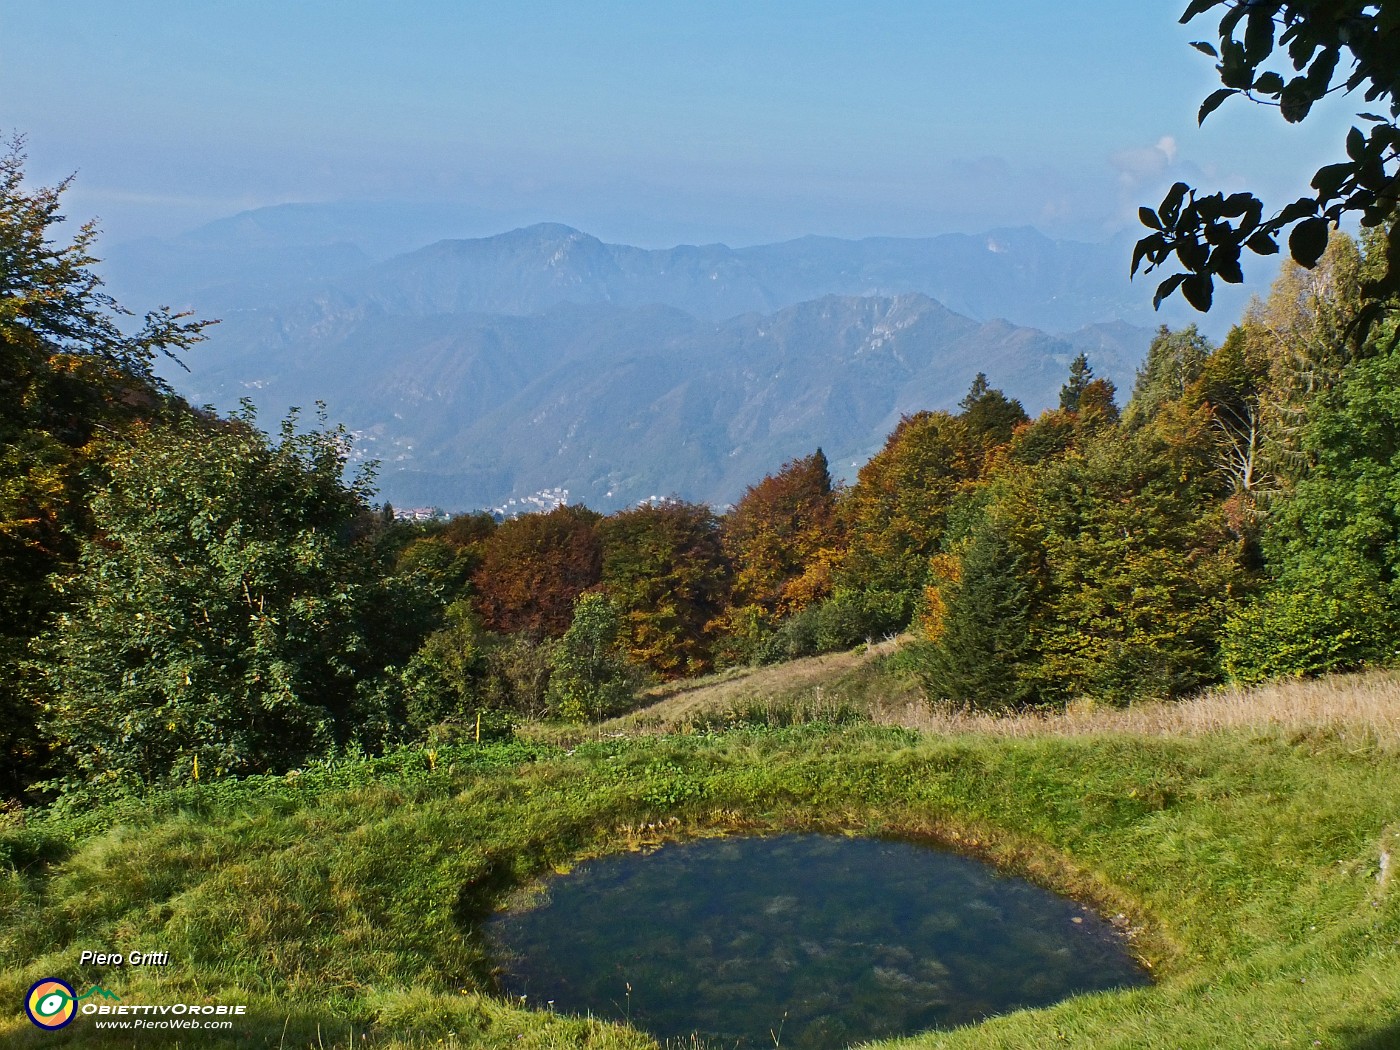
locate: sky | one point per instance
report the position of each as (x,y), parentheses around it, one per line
(649,123)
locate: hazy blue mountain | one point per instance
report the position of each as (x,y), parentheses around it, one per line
(616,402)
(376,252)
(493,367)
(1020,275)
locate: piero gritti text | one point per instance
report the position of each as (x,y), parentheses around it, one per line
(124,959)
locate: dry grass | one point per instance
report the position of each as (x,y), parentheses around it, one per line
(811,680)
(1360,710)
(1356,711)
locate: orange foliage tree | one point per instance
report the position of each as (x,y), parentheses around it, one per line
(533,567)
(783,539)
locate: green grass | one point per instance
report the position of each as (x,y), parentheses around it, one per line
(342,905)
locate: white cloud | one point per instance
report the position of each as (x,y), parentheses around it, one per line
(1144,163)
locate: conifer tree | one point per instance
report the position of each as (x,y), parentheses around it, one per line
(984,647)
(1080,376)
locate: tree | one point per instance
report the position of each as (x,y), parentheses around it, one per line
(982,646)
(666,572)
(226,610)
(589,677)
(1337,45)
(1174,361)
(533,568)
(896,511)
(1100,571)
(1080,376)
(1333,547)
(71,379)
(782,538)
(990,416)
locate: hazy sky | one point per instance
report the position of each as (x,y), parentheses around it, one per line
(650,122)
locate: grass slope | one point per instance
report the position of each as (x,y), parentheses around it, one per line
(341,904)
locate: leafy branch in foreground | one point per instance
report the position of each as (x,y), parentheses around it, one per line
(1290,54)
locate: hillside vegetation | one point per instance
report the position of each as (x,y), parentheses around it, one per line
(1245,862)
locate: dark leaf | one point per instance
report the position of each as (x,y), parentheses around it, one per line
(1296,100)
(1166,288)
(1302,207)
(1198,289)
(1197,7)
(1148,218)
(1262,244)
(1356,144)
(1320,72)
(1225,264)
(1141,251)
(1329,178)
(1212,103)
(1193,255)
(1259,33)
(1237,204)
(1372,117)
(1269,84)
(1171,203)
(1235,70)
(1205,48)
(1308,241)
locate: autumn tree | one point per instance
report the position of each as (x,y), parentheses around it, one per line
(665,570)
(534,567)
(1102,570)
(895,512)
(782,538)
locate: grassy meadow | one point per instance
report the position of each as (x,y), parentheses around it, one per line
(1238,837)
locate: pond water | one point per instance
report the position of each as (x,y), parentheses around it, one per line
(806,941)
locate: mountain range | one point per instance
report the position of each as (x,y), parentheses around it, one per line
(488,369)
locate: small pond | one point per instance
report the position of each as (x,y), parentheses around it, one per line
(809,941)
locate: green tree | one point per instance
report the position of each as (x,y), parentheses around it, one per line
(1174,361)
(72,377)
(590,679)
(225,611)
(1333,546)
(984,649)
(990,416)
(1080,376)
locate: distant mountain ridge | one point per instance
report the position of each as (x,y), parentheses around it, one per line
(617,404)
(1018,274)
(485,368)
(279,253)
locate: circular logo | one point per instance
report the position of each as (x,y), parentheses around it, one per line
(50,1003)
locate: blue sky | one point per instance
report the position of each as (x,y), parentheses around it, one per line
(652,123)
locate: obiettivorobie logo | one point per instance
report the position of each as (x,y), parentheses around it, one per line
(51,1003)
